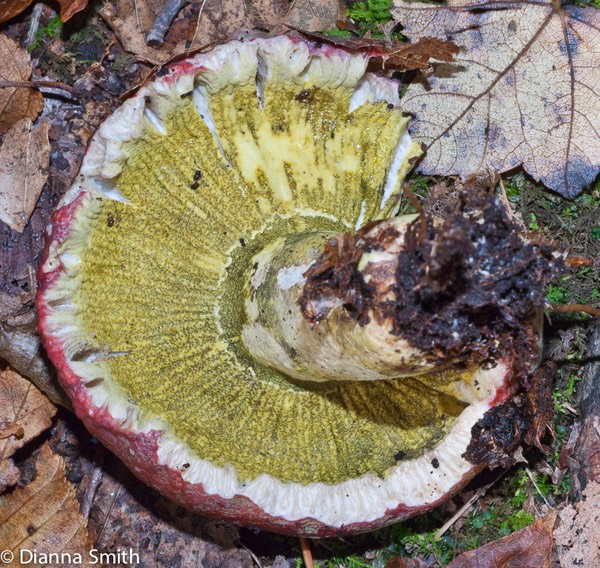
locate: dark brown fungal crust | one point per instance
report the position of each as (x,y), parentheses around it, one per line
(528,417)
(335,275)
(496,436)
(466,290)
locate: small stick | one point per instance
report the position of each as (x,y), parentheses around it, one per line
(444,528)
(36,15)
(88,499)
(530,475)
(479,493)
(36,85)
(576,308)
(252,555)
(306,553)
(156,34)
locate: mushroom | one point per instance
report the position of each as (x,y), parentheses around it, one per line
(216,292)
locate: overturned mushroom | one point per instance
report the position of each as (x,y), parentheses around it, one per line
(234,312)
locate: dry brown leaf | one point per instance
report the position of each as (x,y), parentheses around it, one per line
(68,8)
(44,515)
(395,54)
(16,103)
(24,163)
(267,14)
(525,90)
(314,15)
(578,534)
(11,8)
(12,429)
(530,547)
(9,474)
(22,406)
(213,20)
(127,515)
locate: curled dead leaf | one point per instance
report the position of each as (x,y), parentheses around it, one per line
(530,547)
(44,515)
(24,408)
(24,163)
(11,8)
(524,91)
(12,429)
(395,55)
(16,103)
(68,8)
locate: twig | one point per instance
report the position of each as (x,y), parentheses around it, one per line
(198,22)
(530,475)
(576,308)
(252,555)
(444,528)
(479,493)
(36,15)
(306,553)
(88,499)
(36,85)
(156,34)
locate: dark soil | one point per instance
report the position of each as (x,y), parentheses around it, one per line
(467,289)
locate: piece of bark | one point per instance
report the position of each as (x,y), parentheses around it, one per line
(20,347)
(585,460)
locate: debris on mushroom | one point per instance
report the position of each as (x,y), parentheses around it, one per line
(236,313)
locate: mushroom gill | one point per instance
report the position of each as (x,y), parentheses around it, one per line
(170,288)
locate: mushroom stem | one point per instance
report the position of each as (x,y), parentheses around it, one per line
(399,297)
(330,344)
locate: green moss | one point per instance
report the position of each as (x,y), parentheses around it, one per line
(51,30)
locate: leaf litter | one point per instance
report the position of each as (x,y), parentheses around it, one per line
(180,35)
(24,162)
(525,90)
(44,516)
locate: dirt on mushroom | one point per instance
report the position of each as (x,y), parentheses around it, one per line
(465,288)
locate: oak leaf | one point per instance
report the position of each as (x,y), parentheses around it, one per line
(16,103)
(529,547)
(24,412)
(524,91)
(44,515)
(24,168)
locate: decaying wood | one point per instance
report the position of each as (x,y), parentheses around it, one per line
(585,460)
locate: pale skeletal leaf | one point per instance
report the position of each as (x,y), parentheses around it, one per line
(16,103)
(24,163)
(524,91)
